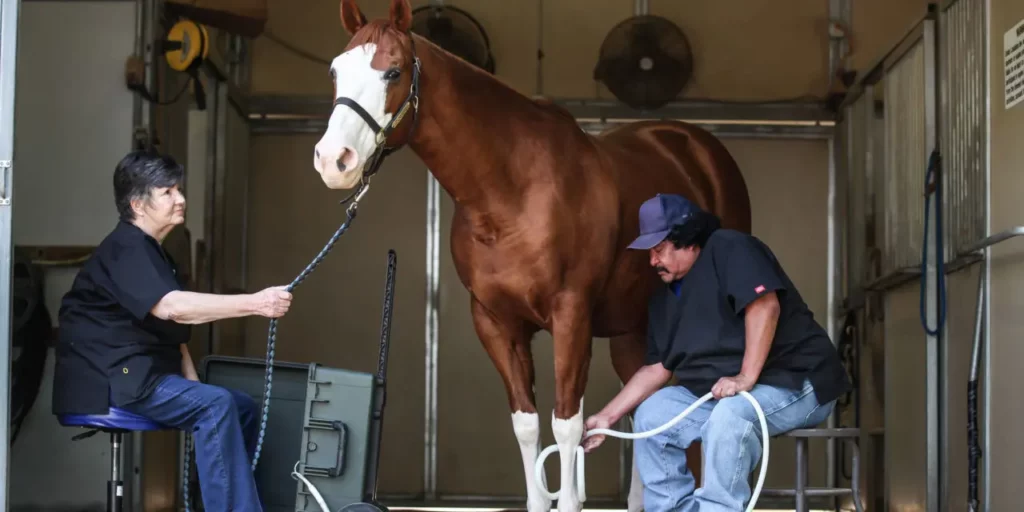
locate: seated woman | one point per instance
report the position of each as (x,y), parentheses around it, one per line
(124,329)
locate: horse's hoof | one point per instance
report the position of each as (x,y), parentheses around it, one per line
(539,506)
(362,507)
(569,506)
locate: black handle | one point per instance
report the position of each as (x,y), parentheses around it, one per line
(339,464)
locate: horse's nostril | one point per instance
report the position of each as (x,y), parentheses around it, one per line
(316,152)
(341,164)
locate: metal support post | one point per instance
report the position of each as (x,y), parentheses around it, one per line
(932,291)
(115,487)
(9,10)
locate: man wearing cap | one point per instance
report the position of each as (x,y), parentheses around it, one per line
(727,320)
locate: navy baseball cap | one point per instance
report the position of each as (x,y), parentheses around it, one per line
(657,216)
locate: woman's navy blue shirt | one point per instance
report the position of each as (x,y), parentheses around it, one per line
(697,326)
(110,349)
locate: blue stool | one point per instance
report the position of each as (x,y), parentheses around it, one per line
(116,422)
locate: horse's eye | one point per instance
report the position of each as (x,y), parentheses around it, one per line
(392,74)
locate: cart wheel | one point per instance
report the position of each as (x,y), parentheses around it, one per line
(362,507)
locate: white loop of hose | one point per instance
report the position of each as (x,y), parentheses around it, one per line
(581,487)
(312,488)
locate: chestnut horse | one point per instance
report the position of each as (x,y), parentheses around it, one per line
(543,210)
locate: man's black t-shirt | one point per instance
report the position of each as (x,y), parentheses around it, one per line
(110,349)
(697,330)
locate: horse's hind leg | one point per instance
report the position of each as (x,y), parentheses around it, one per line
(627,354)
(509,349)
(571,331)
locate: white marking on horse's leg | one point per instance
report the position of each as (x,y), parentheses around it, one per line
(527,428)
(635,500)
(568,434)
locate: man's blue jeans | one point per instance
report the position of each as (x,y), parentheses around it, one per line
(730,433)
(224,424)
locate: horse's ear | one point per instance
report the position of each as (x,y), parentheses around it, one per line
(401,15)
(351,17)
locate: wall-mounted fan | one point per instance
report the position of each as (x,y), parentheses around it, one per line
(645,61)
(456,31)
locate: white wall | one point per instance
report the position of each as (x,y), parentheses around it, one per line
(73,122)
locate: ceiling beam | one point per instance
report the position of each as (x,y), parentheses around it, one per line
(308,114)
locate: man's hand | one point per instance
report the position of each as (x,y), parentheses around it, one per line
(594,422)
(730,386)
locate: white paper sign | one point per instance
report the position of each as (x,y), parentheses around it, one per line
(1013,59)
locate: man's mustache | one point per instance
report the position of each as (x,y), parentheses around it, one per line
(660,269)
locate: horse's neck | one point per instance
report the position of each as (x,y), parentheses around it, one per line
(463,132)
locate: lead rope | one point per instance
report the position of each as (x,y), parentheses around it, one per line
(272,338)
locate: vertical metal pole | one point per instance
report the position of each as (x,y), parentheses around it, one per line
(8,50)
(942,380)
(986,384)
(833,243)
(540,48)
(243,278)
(431,335)
(115,488)
(211,202)
(801,474)
(941,91)
(217,248)
(931,286)
(640,7)
(140,120)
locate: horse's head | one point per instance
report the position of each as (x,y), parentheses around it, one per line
(372,79)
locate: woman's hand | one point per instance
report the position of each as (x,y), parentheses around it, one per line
(273,302)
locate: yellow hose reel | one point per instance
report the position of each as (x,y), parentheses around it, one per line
(187,45)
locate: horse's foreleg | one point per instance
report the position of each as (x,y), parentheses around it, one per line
(509,349)
(572,338)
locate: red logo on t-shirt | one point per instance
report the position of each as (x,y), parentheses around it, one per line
(759,289)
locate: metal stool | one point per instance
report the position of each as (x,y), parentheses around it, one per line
(116,422)
(802,492)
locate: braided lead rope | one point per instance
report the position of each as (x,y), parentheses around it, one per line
(272,339)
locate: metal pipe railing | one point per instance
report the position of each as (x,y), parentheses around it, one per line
(995,239)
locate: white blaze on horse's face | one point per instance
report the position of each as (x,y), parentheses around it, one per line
(341,154)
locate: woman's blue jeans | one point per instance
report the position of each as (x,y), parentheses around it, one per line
(224,424)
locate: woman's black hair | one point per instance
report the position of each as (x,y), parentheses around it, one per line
(695,231)
(138,173)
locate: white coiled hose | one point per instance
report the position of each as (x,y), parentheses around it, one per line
(581,487)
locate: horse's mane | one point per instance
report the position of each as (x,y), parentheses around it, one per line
(556,108)
(374,31)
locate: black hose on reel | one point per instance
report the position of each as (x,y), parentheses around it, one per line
(31,331)
(848,346)
(974,448)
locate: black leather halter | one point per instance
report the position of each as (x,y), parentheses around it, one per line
(381,150)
